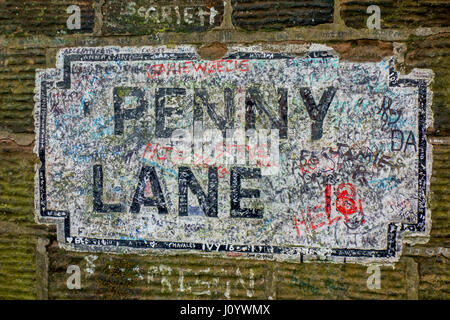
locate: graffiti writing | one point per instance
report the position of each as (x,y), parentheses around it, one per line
(257,153)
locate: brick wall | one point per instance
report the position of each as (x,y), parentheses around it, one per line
(31,264)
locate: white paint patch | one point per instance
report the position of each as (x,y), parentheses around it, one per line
(90,266)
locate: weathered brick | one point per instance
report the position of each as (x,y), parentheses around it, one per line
(440,231)
(156,277)
(16,184)
(17,72)
(338,281)
(49,17)
(277,15)
(433,53)
(397,14)
(434,278)
(17,267)
(363,50)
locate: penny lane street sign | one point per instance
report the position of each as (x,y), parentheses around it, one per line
(261,154)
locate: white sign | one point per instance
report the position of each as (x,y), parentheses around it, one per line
(256,153)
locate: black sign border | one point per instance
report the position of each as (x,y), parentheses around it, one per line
(394,229)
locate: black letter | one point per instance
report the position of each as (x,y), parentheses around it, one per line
(99,206)
(413,143)
(161,111)
(393,132)
(317,113)
(237,193)
(253,99)
(187,179)
(119,94)
(148,173)
(202,97)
